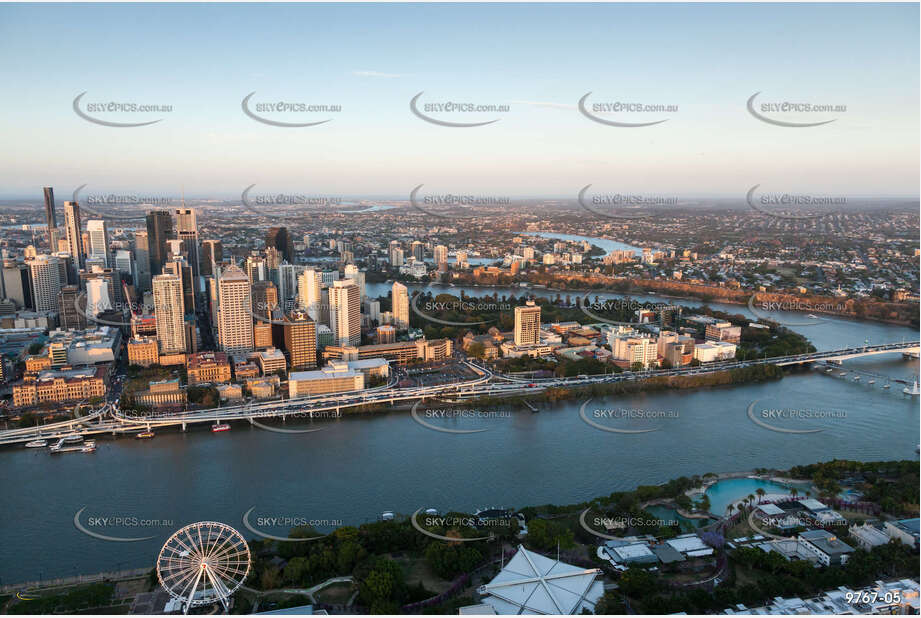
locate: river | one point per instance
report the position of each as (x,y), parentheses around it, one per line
(357,467)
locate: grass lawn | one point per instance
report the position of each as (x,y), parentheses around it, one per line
(335,594)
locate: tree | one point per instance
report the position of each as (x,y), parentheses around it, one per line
(476,350)
(760,491)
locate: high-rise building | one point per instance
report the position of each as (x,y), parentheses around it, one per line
(97,297)
(256,268)
(358,276)
(287,284)
(187,232)
(234,320)
(418,250)
(51,219)
(17,286)
(142,260)
(73,233)
(279,238)
(212,252)
(45,271)
(112,281)
(396,257)
(441,255)
(300,339)
(527,324)
(99,240)
(345,312)
(159,230)
(400,296)
(168,307)
(71,316)
(265,300)
(308,292)
(123,262)
(391,249)
(179,266)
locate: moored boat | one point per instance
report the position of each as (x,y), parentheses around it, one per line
(37,444)
(145,435)
(217,427)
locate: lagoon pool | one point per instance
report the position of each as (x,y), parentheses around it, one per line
(731,491)
(668,514)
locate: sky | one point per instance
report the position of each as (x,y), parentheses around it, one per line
(539,59)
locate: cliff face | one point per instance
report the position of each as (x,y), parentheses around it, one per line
(868,309)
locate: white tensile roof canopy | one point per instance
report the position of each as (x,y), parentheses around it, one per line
(534,584)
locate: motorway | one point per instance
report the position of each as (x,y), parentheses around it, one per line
(110,419)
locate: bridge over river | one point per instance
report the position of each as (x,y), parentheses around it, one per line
(109,419)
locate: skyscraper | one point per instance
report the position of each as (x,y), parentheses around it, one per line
(177,265)
(187,232)
(159,230)
(167,293)
(418,250)
(235,320)
(141,260)
(400,295)
(358,276)
(396,254)
(300,335)
(345,313)
(279,238)
(72,316)
(212,252)
(99,240)
(74,236)
(46,282)
(265,299)
(527,324)
(17,286)
(308,293)
(97,297)
(52,220)
(441,255)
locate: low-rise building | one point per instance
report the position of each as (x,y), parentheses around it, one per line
(143,352)
(270,361)
(61,385)
(827,546)
(213,367)
(230,392)
(905,530)
(263,388)
(868,536)
(723,331)
(161,393)
(334,378)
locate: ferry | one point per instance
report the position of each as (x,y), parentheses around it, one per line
(217,427)
(145,435)
(37,444)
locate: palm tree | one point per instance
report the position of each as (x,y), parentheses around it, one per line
(794,492)
(751,499)
(760,491)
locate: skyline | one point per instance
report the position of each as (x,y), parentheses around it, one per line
(708,60)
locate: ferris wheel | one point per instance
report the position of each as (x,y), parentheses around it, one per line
(203,563)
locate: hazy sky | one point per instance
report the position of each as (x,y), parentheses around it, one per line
(538,59)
